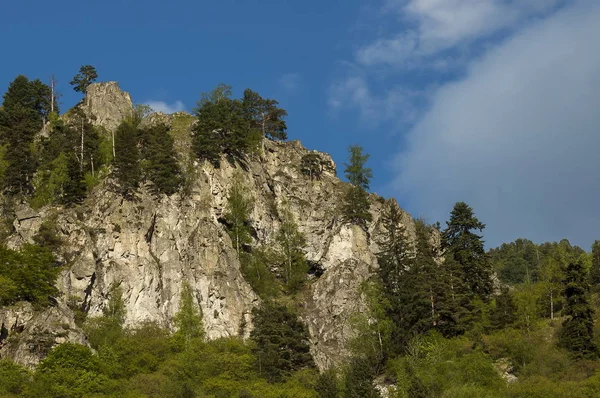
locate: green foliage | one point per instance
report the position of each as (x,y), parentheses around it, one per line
(47,236)
(577,333)
(235,127)
(13,379)
(326,385)
(358,380)
(237,214)
(107,329)
(255,268)
(3,163)
(66,154)
(395,261)
(290,252)
(504,313)
(49,184)
(374,326)
(465,253)
(160,163)
(264,115)
(126,161)
(516,262)
(86,76)
(595,267)
(188,319)
(312,165)
(444,367)
(25,108)
(70,370)
(356,201)
(281,341)
(28,275)
(223,127)
(419,292)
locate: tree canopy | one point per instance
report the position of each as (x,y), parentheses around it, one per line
(86,76)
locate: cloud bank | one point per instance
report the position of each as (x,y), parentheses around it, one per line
(518,137)
(431,27)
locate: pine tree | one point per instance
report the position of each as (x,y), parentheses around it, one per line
(577,333)
(223,127)
(356,203)
(127,168)
(396,253)
(22,115)
(395,260)
(281,341)
(86,76)
(74,189)
(264,115)
(465,251)
(60,175)
(358,380)
(159,160)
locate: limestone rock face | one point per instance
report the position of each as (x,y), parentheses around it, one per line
(106,105)
(28,335)
(151,246)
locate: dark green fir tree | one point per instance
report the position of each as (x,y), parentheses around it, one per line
(577,333)
(356,201)
(127,168)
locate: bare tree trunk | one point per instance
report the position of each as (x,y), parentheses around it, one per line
(113,145)
(81,162)
(52,87)
(92,164)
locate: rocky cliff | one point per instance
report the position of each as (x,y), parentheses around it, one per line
(151,246)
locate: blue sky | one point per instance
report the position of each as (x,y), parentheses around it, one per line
(494,102)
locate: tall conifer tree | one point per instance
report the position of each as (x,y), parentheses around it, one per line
(22,115)
(127,168)
(465,252)
(577,333)
(356,202)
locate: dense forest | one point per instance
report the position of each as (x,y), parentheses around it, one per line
(445,317)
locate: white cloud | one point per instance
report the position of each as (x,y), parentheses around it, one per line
(518,137)
(354,92)
(430,27)
(439,36)
(161,106)
(290,81)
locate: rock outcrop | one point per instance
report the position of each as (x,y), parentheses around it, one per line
(27,334)
(151,246)
(106,105)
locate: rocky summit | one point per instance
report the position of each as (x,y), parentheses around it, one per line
(150,246)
